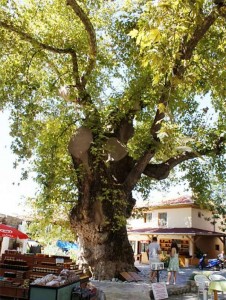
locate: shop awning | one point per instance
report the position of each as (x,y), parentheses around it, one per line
(176,231)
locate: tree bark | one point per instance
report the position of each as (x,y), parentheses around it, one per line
(105,250)
(103,253)
(99,219)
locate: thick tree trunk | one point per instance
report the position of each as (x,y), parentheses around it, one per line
(100,223)
(99,217)
(104,253)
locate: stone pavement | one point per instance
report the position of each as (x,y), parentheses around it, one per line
(118,290)
(183,290)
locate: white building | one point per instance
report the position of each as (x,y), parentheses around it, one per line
(195,229)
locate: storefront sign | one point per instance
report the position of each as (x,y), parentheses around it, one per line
(159,290)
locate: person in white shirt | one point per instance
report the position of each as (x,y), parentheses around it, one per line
(221,257)
(153,251)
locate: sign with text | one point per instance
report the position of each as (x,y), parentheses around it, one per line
(159,290)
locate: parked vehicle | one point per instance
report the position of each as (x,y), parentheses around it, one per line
(214,263)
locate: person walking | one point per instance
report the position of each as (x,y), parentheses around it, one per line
(173,267)
(153,251)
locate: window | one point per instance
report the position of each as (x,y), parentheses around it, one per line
(199,214)
(217,247)
(133,244)
(147,217)
(162,219)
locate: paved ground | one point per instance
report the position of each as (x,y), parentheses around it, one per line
(119,290)
(141,290)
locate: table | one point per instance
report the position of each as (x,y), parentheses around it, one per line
(217,286)
(37,292)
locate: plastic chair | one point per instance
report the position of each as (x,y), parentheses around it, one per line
(213,277)
(216,277)
(202,283)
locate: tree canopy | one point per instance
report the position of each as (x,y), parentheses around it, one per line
(132,73)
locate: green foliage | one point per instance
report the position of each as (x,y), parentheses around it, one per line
(48,227)
(137,61)
(165,259)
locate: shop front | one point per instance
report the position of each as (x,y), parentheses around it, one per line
(189,240)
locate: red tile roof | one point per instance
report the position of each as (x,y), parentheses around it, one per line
(179,200)
(174,201)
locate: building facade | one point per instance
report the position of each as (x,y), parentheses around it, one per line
(195,229)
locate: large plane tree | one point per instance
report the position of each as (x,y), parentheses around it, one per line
(104,99)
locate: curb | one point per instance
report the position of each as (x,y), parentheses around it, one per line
(190,287)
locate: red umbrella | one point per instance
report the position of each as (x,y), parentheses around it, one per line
(11,232)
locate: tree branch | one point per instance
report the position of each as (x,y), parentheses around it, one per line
(137,170)
(27,37)
(92,38)
(186,50)
(160,114)
(161,171)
